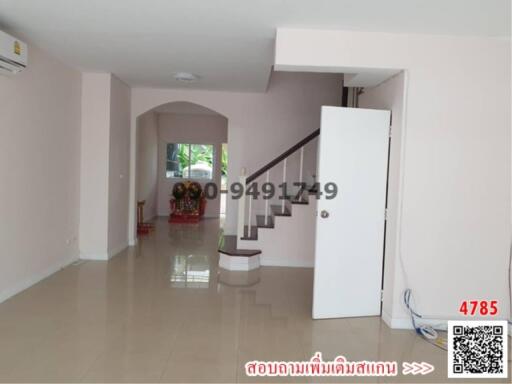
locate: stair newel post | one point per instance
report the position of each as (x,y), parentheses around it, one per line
(241,206)
(267,200)
(284,188)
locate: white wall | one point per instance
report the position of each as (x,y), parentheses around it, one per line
(455,163)
(390,96)
(119,166)
(147,163)
(105,164)
(291,243)
(94,165)
(39,171)
(189,129)
(260,125)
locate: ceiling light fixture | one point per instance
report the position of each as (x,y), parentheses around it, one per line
(185,77)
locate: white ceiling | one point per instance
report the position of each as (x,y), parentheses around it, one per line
(229,43)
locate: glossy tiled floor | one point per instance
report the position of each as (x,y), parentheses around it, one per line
(163,312)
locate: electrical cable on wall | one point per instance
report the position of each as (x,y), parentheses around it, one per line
(428,333)
(425,331)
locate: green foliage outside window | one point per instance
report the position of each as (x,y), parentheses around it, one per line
(181,156)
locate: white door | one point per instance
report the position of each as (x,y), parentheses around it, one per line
(353,154)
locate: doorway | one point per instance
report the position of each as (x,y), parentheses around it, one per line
(180,142)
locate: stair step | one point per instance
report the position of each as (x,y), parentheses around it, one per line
(260,221)
(254,233)
(227,246)
(278,211)
(294,200)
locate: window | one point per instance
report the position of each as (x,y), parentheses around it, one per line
(224,168)
(189,161)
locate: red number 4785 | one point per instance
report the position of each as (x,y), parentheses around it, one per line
(479,307)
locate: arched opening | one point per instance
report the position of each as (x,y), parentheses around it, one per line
(176,142)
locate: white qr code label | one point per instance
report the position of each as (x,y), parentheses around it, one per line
(477,349)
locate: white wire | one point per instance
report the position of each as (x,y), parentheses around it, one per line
(429,333)
(426,331)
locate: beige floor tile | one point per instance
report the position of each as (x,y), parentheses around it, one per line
(55,362)
(161,311)
(127,366)
(200,371)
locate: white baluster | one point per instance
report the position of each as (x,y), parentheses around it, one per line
(301,163)
(284,189)
(249,218)
(266,202)
(241,207)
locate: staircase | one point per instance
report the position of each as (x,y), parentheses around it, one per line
(280,233)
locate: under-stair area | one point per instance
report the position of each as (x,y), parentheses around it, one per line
(279,232)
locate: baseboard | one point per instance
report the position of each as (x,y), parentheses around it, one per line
(150,218)
(94,256)
(400,322)
(286,263)
(386,317)
(104,256)
(406,323)
(117,250)
(27,283)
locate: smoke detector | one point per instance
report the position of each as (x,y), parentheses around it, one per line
(185,77)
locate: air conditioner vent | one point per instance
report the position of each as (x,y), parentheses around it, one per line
(13,54)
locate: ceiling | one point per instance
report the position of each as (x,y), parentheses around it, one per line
(228,43)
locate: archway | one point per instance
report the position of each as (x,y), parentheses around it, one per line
(173,142)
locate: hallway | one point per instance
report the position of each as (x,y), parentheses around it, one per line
(161,311)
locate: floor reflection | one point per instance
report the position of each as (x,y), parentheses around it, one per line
(164,312)
(190,271)
(239,278)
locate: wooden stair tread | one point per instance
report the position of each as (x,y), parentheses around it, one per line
(294,200)
(278,211)
(227,246)
(254,233)
(260,221)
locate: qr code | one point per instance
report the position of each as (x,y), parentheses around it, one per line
(477,349)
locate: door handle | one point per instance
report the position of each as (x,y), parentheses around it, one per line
(324,214)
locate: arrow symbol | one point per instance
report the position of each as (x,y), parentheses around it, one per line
(415,368)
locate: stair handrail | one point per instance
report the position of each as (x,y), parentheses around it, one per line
(246,180)
(281,157)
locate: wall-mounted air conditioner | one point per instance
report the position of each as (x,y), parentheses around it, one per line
(13,54)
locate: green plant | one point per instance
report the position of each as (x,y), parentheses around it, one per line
(200,153)
(183,155)
(195,153)
(224,161)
